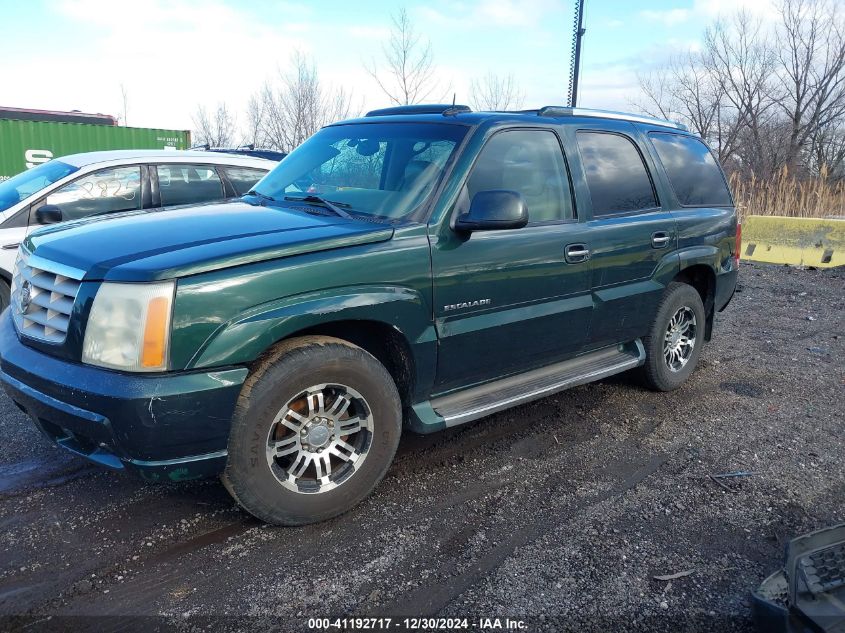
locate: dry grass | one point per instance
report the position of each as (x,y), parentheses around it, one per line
(786,195)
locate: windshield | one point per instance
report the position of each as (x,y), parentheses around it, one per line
(31,181)
(383,170)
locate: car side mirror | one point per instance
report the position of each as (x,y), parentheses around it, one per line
(48,214)
(494,210)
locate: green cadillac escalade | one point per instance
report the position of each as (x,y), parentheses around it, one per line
(415,269)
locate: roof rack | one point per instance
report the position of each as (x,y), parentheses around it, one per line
(446,109)
(563,111)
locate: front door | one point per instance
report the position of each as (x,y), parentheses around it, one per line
(507,301)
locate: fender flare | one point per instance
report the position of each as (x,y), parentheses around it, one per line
(244,338)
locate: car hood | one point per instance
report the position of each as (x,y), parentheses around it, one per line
(151,245)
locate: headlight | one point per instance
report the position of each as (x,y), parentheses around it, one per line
(129,327)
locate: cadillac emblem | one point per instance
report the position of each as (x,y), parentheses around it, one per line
(25,297)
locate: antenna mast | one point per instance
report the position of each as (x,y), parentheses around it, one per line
(577,33)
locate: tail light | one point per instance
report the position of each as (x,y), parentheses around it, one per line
(738,244)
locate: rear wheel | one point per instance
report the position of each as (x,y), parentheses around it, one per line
(315,429)
(674,342)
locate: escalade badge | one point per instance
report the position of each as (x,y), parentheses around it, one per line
(26,297)
(467,304)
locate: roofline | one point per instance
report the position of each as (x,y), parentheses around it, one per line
(563,111)
(452,110)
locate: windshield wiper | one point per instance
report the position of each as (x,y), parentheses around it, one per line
(335,207)
(263,196)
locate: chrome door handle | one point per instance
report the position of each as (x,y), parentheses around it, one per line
(577,253)
(659,240)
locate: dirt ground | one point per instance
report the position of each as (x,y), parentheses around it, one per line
(558,513)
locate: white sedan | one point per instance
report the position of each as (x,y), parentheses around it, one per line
(106,182)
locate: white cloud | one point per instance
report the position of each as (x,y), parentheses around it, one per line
(488,13)
(511,12)
(368,31)
(709,10)
(170,56)
(715,8)
(670,17)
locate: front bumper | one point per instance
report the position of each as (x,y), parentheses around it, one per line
(169,426)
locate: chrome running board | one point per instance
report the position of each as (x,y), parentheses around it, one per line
(477,402)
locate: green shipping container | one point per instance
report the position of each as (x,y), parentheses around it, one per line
(25,144)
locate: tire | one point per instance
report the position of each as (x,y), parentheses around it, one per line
(665,369)
(281,406)
(5,294)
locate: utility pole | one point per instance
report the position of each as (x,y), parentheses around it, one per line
(577,34)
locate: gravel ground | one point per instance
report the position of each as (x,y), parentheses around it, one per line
(559,513)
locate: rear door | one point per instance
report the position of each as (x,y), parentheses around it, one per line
(630,232)
(704,211)
(507,301)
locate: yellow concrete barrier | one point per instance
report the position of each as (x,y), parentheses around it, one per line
(816,242)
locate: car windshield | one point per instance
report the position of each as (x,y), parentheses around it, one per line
(31,181)
(382,170)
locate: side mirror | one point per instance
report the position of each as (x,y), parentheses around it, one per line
(494,210)
(48,214)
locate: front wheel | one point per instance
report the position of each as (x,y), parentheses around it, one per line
(674,342)
(315,429)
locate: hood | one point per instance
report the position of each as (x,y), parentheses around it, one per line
(151,245)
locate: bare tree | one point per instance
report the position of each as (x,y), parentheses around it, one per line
(743,62)
(125,98)
(769,99)
(286,112)
(826,153)
(686,91)
(255,122)
(408,74)
(494,92)
(811,94)
(216,129)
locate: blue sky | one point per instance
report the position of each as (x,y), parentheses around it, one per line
(172,55)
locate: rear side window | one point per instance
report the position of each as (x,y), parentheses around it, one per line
(616,174)
(692,170)
(244,178)
(188,184)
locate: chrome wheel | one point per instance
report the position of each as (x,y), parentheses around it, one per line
(320,438)
(679,340)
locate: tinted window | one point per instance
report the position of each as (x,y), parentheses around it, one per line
(188,184)
(529,162)
(244,178)
(105,191)
(692,170)
(616,174)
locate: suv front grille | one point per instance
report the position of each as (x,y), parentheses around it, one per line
(43,293)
